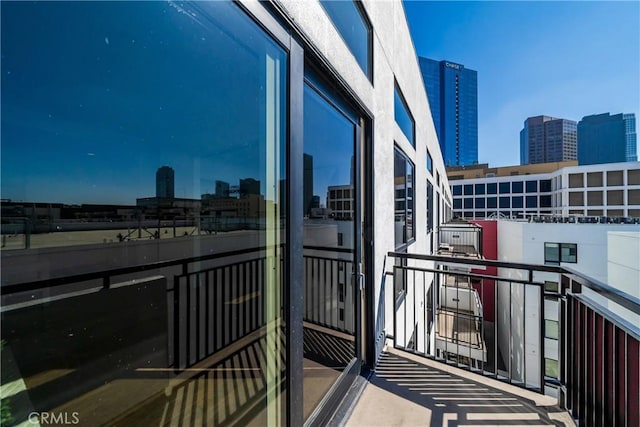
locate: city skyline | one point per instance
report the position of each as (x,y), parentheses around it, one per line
(583,59)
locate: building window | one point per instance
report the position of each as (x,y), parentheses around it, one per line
(403,182)
(532,186)
(457,203)
(492,188)
(551,329)
(545,201)
(468,189)
(403,116)
(551,286)
(468,203)
(504,203)
(532,201)
(505,187)
(479,189)
(516,187)
(550,368)
(430,206)
(516,202)
(353,25)
(560,252)
(479,202)
(492,202)
(457,190)
(429,163)
(545,185)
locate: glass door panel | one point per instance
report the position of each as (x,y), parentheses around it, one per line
(147,138)
(330,208)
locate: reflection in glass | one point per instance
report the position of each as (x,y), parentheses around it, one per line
(329,307)
(403,187)
(140,133)
(354,29)
(403,116)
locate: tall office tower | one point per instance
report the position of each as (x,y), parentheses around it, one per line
(307,183)
(603,138)
(547,139)
(452,91)
(249,186)
(165,183)
(222,189)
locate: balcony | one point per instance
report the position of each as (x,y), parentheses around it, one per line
(575,347)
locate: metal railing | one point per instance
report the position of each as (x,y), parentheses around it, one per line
(545,328)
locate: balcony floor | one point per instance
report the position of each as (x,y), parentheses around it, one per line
(408,390)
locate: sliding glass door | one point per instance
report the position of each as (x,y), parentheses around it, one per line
(331,210)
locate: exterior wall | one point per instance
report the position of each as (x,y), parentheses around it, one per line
(623,268)
(486,291)
(524,242)
(394,60)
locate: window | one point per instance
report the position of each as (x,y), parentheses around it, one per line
(516,187)
(545,201)
(351,22)
(492,202)
(551,329)
(140,129)
(532,201)
(479,202)
(505,187)
(560,252)
(457,190)
(430,206)
(516,202)
(551,286)
(492,188)
(468,203)
(532,186)
(403,117)
(504,202)
(403,182)
(468,189)
(545,185)
(479,188)
(550,368)
(429,163)
(457,203)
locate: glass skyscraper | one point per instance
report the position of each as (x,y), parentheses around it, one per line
(603,138)
(452,91)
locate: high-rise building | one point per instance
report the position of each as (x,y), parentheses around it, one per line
(546,139)
(165,183)
(249,186)
(452,91)
(307,185)
(603,138)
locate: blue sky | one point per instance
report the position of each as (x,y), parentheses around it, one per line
(563,59)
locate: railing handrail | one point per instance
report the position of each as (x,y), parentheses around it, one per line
(616,295)
(14,288)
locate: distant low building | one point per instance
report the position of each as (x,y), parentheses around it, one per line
(611,190)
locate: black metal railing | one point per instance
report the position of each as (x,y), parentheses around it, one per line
(544,328)
(201,306)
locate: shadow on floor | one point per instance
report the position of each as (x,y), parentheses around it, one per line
(449,400)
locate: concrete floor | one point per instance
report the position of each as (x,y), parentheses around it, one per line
(408,390)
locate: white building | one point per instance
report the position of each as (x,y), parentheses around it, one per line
(611,190)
